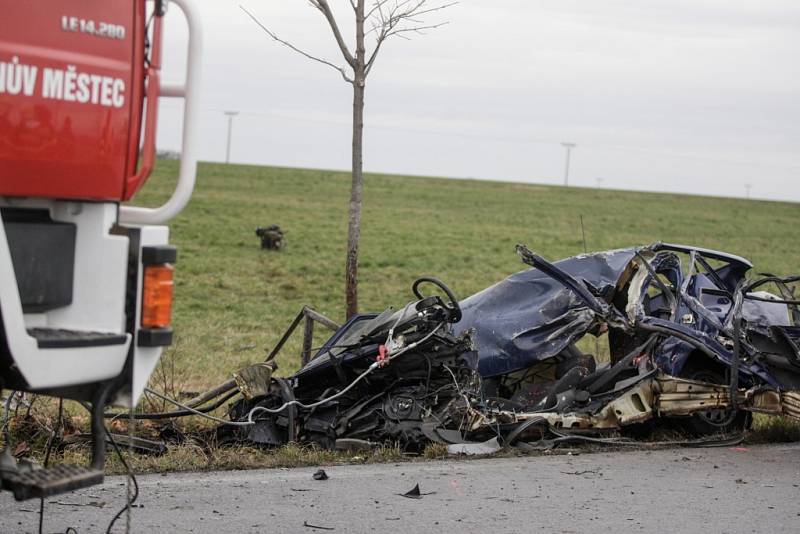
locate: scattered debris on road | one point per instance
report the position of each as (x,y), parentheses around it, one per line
(309,525)
(415,493)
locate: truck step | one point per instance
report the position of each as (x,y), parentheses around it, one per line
(59,338)
(51,481)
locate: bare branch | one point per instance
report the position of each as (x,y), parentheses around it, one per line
(326,10)
(378,5)
(417,12)
(341,70)
(418,29)
(395,20)
(371,60)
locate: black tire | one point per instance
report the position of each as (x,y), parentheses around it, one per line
(716,420)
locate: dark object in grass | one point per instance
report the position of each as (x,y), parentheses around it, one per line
(271,237)
(171,434)
(320,475)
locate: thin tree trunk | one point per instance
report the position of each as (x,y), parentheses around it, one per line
(386,20)
(354,218)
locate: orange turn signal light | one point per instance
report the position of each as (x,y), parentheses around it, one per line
(157,296)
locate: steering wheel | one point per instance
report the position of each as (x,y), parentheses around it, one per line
(454,310)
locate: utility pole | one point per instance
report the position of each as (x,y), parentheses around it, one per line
(569,147)
(231,115)
(599,182)
(747,190)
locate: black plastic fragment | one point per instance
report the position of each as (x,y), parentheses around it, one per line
(320,475)
(414,493)
(309,525)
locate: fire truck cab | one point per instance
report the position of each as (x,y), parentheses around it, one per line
(85,279)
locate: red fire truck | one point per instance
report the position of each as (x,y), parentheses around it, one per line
(85,278)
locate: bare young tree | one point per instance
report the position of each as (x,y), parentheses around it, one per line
(379,20)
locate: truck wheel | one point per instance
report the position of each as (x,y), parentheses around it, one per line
(715,420)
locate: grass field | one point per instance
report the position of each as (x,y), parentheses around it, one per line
(233,300)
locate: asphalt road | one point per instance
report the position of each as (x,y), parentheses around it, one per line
(739,489)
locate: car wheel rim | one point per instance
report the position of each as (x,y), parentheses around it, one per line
(719,417)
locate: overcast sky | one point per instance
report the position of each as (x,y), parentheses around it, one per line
(695,96)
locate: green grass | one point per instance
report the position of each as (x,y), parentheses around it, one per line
(772,429)
(233,300)
(190,457)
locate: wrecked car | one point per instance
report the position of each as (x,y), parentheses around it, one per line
(689,339)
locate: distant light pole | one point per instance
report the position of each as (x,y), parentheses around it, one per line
(747,188)
(569,147)
(599,182)
(231,115)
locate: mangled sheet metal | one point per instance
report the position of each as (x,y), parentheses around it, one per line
(531,316)
(689,338)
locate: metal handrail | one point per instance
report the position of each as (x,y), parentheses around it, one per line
(188,161)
